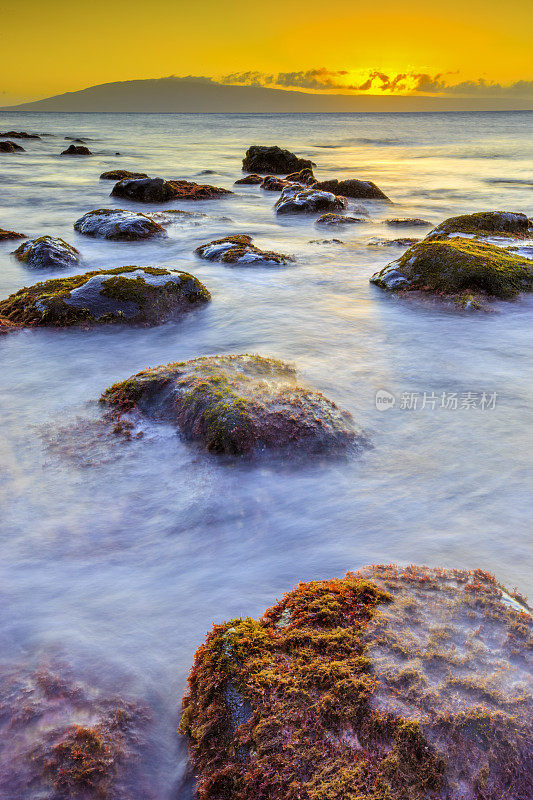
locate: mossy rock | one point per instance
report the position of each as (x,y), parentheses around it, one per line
(18,135)
(240,249)
(133,295)
(237,404)
(387,684)
(118,225)
(11,147)
(350,187)
(339,219)
(273,160)
(484,224)
(76,150)
(120,174)
(407,222)
(6,236)
(6,326)
(457,265)
(295,200)
(47,252)
(158,190)
(249,180)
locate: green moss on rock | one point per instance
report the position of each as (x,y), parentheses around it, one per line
(484,224)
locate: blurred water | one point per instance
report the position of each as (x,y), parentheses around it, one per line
(122,566)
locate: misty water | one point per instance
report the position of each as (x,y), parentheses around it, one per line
(117,557)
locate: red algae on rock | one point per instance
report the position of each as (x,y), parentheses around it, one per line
(387,684)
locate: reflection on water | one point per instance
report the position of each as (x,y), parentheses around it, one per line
(119,558)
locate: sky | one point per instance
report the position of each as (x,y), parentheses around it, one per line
(470,48)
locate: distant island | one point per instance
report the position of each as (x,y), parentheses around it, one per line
(204,95)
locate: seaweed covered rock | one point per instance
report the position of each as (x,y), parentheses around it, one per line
(118,225)
(6,326)
(134,295)
(339,219)
(408,222)
(273,160)
(6,236)
(388,684)
(76,150)
(18,135)
(65,739)
(455,266)
(364,190)
(295,200)
(272,183)
(47,252)
(11,147)
(239,249)
(304,176)
(237,404)
(158,190)
(484,224)
(249,180)
(120,174)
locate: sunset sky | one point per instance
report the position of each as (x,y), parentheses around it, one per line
(457,46)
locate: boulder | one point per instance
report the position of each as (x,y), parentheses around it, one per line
(120,174)
(412,222)
(273,160)
(18,135)
(295,200)
(249,180)
(134,295)
(237,404)
(8,235)
(387,684)
(304,176)
(11,147)
(271,183)
(484,224)
(339,219)
(158,190)
(363,190)
(118,225)
(239,250)
(76,150)
(455,266)
(47,252)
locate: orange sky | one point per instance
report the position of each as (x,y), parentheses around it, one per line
(48,48)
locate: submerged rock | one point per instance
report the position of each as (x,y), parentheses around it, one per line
(239,250)
(118,225)
(120,174)
(400,242)
(133,295)
(295,200)
(47,252)
(274,160)
(249,180)
(65,739)
(158,190)
(76,150)
(8,235)
(484,224)
(454,266)
(412,222)
(237,404)
(11,147)
(18,135)
(339,219)
(364,190)
(386,684)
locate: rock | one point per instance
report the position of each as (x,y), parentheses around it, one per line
(157,190)
(47,252)
(401,242)
(62,737)
(134,295)
(454,266)
(6,326)
(8,235)
(237,404)
(118,225)
(339,219)
(76,150)
(239,250)
(295,200)
(18,135)
(75,140)
(407,223)
(363,190)
(484,224)
(120,174)
(386,684)
(249,180)
(273,184)
(273,160)
(304,176)
(11,147)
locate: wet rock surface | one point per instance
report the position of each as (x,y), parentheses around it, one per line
(118,225)
(11,147)
(158,190)
(352,188)
(386,684)
(263,159)
(47,252)
(6,236)
(249,180)
(295,200)
(408,222)
(237,404)
(76,150)
(339,219)
(120,174)
(485,224)
(18,135)
(133,295)
(239,249)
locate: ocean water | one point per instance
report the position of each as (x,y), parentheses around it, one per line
(117,558)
